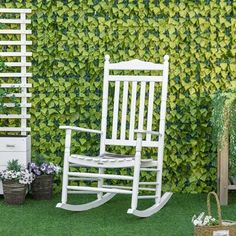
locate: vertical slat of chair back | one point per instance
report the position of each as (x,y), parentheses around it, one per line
(20,40)
(133,99)
(104,105)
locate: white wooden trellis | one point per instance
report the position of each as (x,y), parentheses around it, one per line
(17,147)
(19,18)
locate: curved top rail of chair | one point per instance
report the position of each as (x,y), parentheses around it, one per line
(15,10)
(137,65)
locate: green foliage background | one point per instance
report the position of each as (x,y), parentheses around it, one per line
(70,39)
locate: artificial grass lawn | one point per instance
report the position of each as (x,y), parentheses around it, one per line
(42,218)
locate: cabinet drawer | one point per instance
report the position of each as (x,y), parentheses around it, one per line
(9,144)
(7,156)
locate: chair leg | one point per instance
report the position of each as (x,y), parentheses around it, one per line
(66,167)
(137,164)
(100,183)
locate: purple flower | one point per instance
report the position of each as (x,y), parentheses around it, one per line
(45,168)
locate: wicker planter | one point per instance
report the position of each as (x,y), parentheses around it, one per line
(224,228)
(14,192)
(42,187)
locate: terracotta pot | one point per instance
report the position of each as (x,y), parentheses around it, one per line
(14,192)
(42,187)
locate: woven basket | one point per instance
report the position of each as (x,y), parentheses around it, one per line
(42,187)
(226,226)
(14,192)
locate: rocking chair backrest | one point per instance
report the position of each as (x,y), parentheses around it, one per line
(129,109)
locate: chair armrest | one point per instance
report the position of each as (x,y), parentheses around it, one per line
(81,129)
(147,132)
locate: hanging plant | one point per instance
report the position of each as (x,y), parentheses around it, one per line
(224,122)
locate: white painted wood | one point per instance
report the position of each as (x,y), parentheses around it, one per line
(124,110)
(131,143)
(14,146)
(19,95)
(103,190)
(15,21)
(117,186)
(14,105)
(15,54)
(137,165)
(113,161)
(104,105)
(82,179)
(7,156)
(15,116)
(14,10)
(147,189)
(99,162)
(149,169)
(16,85)
(80,192)
(105,176)
(141,106)
(15,42)
(2,75)
(162,126)
(153,209)
(66,166)
(135,65)
(150,109)
(148,183)
(23,71)
(86,206)
(147,132)
(17,64)
(81,129)
(137,78)
(132,111)
(147,197)
(15,129)
(11,31)
(116,110)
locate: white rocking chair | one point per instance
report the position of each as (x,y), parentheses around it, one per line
(123,137)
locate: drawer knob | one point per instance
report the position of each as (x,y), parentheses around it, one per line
(10,145)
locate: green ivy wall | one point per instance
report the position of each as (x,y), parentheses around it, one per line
(70,39)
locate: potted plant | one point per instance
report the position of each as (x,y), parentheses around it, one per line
(15,180)
(42,186)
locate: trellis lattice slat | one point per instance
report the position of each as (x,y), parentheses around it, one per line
(15,42)
(21,94)
(14,21)
(16,54)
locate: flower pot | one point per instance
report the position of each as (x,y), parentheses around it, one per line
(14,192)
(42,187)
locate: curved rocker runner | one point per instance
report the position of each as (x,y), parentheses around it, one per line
(136,91)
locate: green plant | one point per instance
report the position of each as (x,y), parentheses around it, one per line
(14,165)
(70,39)
(224,122)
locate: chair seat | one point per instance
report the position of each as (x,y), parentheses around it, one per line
(109,160)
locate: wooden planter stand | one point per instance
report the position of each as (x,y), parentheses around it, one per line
(223,184)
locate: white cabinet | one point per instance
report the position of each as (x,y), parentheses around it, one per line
(14,147)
